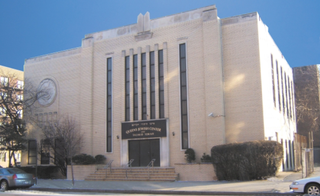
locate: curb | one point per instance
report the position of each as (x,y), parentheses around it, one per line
(157,192)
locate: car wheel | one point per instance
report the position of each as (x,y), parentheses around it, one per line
(4,185)
(313,189)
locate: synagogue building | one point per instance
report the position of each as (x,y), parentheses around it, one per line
(155,88)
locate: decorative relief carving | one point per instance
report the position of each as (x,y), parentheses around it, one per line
(144,27)
(46,92)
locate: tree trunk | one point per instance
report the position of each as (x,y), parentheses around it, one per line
(14,159)
(9,158)
(72,173)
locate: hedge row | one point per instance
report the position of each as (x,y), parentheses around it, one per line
(247,161)
(84,159)
(45,172)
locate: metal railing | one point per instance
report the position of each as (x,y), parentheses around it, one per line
(108,165)
(129,165)
(148,166)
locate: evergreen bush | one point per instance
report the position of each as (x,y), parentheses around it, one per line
(206,158)
(247,161)
(190,155)
(83,159)
(45,172)
(100,159)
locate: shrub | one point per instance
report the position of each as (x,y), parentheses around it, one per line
(190,155)
(247,161)
(83,159)
(205,158)
(45,172)
(100,159)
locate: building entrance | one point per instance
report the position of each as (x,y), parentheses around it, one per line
(143,151)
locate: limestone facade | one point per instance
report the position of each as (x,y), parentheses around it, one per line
(236,87)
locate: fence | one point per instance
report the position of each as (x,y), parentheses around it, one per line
(303,153)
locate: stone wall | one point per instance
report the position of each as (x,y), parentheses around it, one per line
(187,172)
(195,171)
(80,171)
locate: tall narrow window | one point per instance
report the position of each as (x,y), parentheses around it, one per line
(109,104)
(144,86)
(152,87)
(135,87)
(286,93)
(161,84)
(292,101)
(45,151)
(273,82)
(32,152)
(282,90)
(278,85)
(127,88)
(183,96)
(289,97)
(59,153)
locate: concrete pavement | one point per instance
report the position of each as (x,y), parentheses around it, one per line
(272,186)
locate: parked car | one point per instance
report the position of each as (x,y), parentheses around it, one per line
(15,178)
(309,186)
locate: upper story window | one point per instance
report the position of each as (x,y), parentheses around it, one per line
(3,111)
(273,82)
(3,95)
(109,105)
(20,97)
(161,84)
(278,85)
(282,90)
(152,87)
(135,87)
(4,81)
(19,114)
(127,88)
(144,86)
(183,97)
(20,84)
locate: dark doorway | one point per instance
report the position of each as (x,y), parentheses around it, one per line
(143,151)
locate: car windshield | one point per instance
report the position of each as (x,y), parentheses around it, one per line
(15,171)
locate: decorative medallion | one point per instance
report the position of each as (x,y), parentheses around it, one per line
(46,92)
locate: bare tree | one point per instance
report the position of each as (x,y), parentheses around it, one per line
(12,126)
(64,140)
(307,100)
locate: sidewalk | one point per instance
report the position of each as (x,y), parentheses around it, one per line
(279,184)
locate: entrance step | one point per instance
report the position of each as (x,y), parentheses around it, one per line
(134,174)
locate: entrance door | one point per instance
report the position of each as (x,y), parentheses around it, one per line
(143,151)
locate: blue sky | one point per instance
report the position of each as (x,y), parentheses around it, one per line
(30,28)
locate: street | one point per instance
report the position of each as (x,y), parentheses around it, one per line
(46,193)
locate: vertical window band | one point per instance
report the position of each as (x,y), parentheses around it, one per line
(282,90)
(135,87)
(127,88)
(278,85)
(161,84)
(273,82)
(183,96)
(144,86)
(286,93)
(152,87)
(109,104)
(32,152)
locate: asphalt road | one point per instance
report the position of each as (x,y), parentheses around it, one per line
(50,193)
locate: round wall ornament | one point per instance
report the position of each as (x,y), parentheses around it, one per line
(46,92)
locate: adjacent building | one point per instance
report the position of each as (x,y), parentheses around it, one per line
(9,78)
(306,84)
(151,90)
